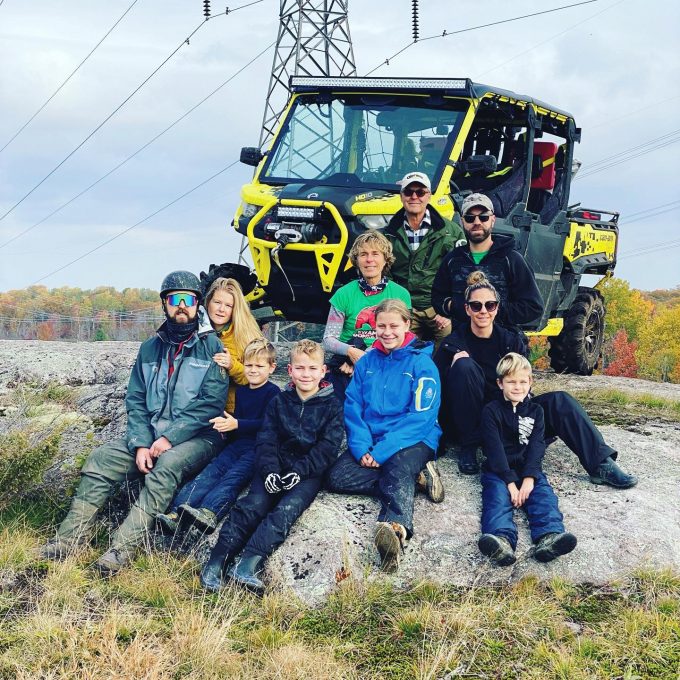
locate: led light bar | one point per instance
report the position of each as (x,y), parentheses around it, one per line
(299,213)
(383,83)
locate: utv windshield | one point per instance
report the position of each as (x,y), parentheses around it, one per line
(367,141)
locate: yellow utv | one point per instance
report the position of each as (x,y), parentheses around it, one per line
(331,172)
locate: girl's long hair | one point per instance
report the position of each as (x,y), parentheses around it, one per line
(243,322)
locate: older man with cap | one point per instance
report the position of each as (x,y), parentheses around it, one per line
(420,239)
(174,390)
(495,255)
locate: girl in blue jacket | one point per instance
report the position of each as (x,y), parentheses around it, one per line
(391,408)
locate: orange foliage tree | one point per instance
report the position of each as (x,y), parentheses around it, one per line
(622,362)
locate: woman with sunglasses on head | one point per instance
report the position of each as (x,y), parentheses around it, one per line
(467,361)
(496,256)
(235,326)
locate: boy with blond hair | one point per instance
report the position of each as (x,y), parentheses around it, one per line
(301,433)
(205,500)
(513,442)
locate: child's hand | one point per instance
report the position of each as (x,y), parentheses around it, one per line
(367,460)
(223,359)
(514,494)
(526,488)
(226,423)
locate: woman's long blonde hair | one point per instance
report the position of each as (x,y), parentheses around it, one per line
(242,320)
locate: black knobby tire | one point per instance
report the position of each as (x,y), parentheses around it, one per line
(578,347)
(229,270)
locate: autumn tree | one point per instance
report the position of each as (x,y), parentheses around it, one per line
(627,309)
(658,353)
(622,361)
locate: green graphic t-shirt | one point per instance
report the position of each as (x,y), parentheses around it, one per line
(359,309)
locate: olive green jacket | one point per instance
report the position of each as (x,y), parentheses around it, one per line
(416,270)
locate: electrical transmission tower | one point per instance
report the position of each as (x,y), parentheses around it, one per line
(313,40)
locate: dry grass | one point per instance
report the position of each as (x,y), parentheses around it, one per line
(153,621)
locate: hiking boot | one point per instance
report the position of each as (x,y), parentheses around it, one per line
(246,572)
(497,548)
(553,545)
(608,472)
(58,549)
(429,481)
(390,538)
(168,522)
(467,461)
(204,519)
(112,561)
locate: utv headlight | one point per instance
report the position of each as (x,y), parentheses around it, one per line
(374,221)
(249,210)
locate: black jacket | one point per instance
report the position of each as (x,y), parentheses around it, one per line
(506,269)
(300,436)
(509,341)
(513,439)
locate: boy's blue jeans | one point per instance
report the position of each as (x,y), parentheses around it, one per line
(221,482)
(541,508)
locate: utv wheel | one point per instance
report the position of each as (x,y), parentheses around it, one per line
(578,347)
(229,270)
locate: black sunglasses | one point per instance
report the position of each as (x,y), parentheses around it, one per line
(418,192)
(476,305)
(471,218)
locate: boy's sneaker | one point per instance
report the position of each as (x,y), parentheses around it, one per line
(429,481)
(608,472)
(58,549)
(497,548)
(467,461)
(553,545)
(169,522)
(112,561)
(204,519)
(390,538)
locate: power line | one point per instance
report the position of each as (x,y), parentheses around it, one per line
(54,94)
(136,224)
(647,211)
(446,34)
(186,41)
(141,148)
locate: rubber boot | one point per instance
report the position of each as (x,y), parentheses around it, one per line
(211,574)
(246,572)
(73,532)
(136,526)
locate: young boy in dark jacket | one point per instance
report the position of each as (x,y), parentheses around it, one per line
(513,442)
(301,433)
(206,499)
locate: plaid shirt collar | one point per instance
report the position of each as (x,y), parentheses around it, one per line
(415,236)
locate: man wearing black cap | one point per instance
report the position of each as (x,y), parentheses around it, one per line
(174,390)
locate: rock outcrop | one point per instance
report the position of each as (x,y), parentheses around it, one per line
(618,531)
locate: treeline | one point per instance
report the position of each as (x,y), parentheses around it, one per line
(38,313)
(642,335)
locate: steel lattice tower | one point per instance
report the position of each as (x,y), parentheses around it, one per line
(313,40)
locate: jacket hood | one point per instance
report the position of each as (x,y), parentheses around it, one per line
(325,390)
(398,220)
(204,325)
(411,344)
(501,243)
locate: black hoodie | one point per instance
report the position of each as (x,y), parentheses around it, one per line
(509,273)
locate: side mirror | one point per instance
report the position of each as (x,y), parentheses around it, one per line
(483,164)
(251,155)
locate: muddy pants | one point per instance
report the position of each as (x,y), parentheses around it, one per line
(260,521)
(112,464)
(465,392)
(393,483)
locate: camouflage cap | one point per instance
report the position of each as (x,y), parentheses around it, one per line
(476,200)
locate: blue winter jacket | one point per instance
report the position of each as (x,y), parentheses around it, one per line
(392,401)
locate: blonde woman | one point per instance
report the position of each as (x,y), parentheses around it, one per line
(235,326)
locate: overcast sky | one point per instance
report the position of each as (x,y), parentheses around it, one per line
(614,64)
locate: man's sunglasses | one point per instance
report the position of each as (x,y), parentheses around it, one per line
(189,299)
(418,192)
(471,218)
(476,305)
